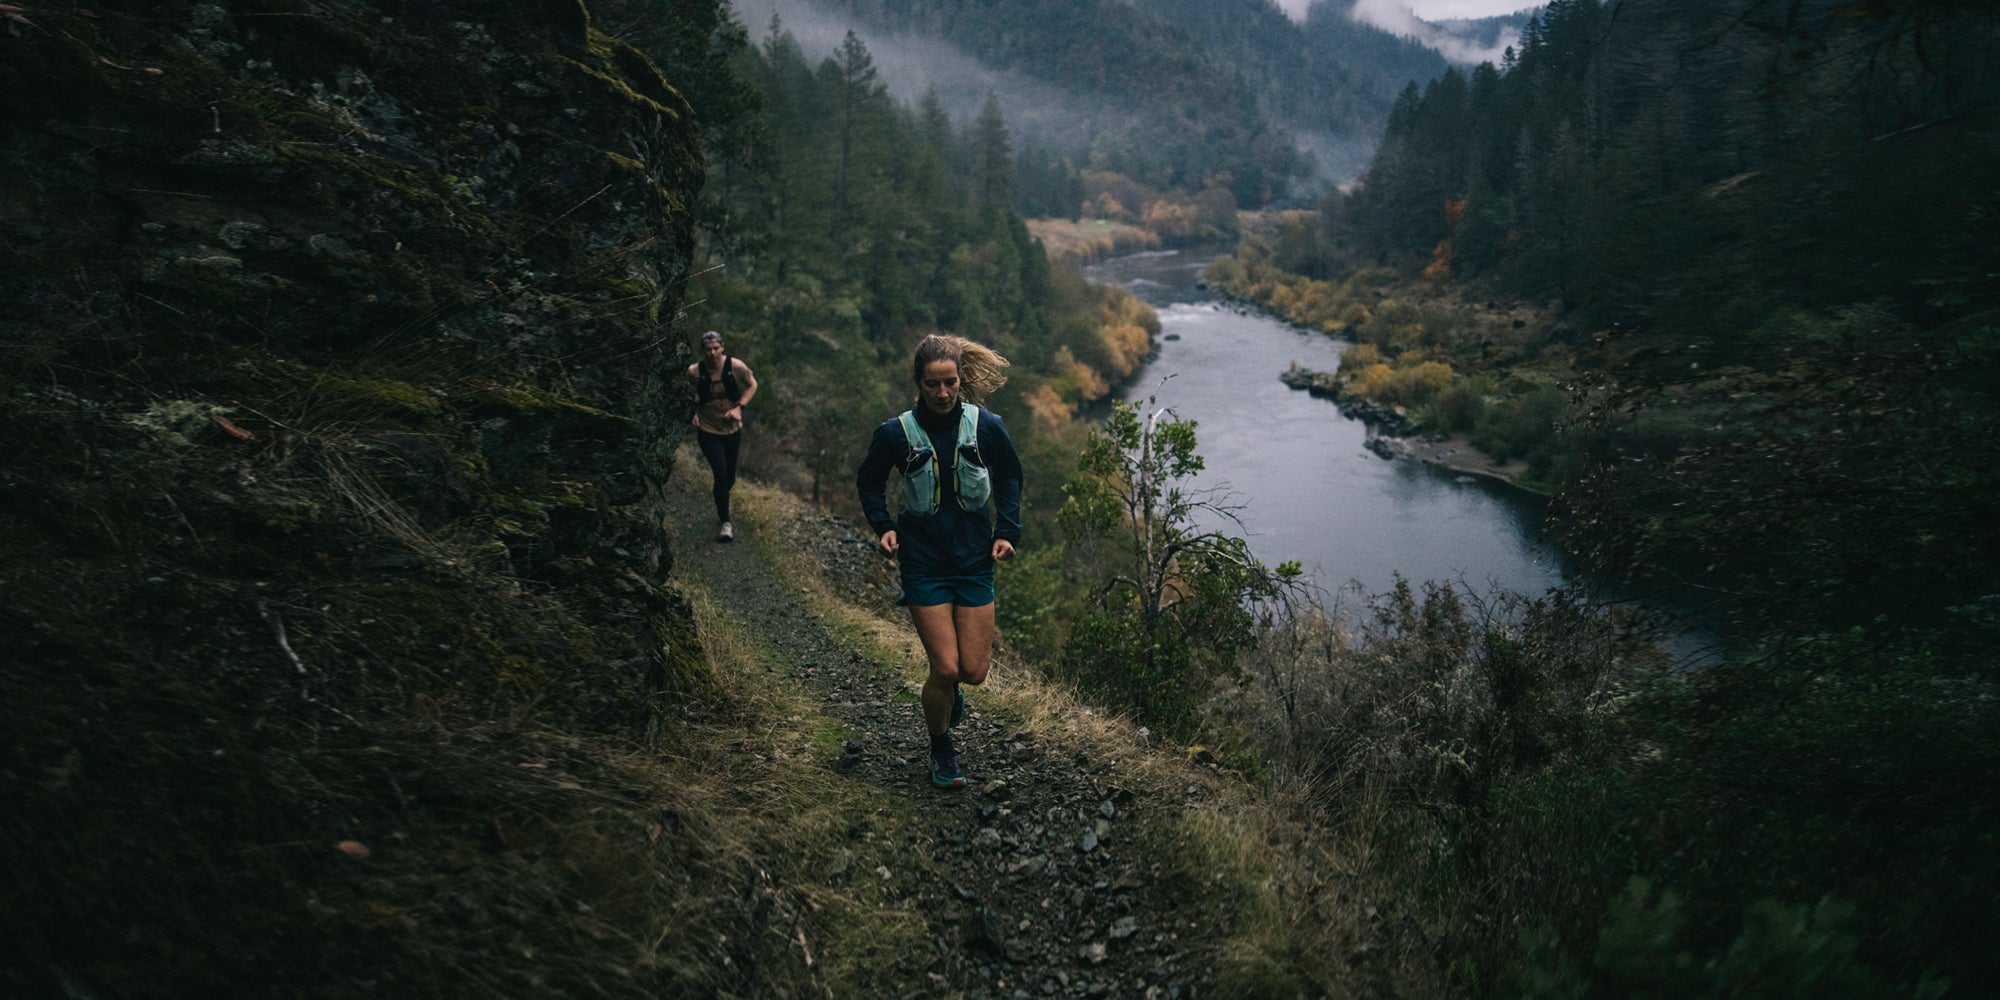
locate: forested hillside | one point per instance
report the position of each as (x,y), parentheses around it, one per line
(1162,110)
(1737,200)
(1764,237)
(1330,81)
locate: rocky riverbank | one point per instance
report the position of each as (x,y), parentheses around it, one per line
(1393,435)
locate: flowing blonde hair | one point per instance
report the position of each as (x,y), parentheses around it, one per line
(981,369)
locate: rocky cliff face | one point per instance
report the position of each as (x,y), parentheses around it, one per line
(338,380)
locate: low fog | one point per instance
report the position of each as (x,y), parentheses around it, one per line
(1394,17)
(1037,114)
(1399,18)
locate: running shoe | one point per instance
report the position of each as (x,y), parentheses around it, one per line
(945,772)
(727,533)
(957,707)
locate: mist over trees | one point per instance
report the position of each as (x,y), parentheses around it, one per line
(1330,76)
(1176,93)
(1165,114)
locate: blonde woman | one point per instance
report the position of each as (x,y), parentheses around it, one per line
(961,514)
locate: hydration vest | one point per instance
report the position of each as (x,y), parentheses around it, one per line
(923,491)
(730,388)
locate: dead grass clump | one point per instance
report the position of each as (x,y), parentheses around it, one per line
(1087,240)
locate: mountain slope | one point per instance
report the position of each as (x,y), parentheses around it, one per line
(1135,95)
(1330,80)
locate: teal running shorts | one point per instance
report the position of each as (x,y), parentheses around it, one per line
(924,590)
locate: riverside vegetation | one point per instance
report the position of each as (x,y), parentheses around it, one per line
(361,650)
(1757,240)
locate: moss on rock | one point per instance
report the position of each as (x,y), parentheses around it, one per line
(433,529)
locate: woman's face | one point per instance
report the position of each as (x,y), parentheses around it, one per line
(939,386)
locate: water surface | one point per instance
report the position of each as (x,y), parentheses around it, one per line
(1307,487)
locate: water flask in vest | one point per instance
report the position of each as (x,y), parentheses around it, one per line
(923,491)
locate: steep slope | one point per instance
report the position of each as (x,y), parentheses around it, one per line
(1196,85)
(1330,81)
(336,359)
(1147,100)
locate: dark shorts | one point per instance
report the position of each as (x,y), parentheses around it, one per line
(924,590)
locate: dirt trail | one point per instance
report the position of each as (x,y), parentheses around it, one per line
(1043,877)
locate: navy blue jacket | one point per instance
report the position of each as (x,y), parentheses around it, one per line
(951,542)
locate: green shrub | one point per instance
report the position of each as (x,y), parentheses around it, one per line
(1032,602)
(1522,426)
(1175,602)
(1459,407)
(1782,950)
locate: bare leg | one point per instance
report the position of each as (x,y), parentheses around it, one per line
(937,630)
(974,628)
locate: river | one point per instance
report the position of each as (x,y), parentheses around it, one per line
(1307,488)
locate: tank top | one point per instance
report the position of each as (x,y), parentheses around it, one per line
(715,396)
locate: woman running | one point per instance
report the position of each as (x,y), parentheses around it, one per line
(722,385)
(961,513)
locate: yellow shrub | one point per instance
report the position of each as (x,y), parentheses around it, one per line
(1073,380)
(1129,346)
(1424,381)
(1051,413)
(1376,381)
(1319,303)
(1359,357)
(1170,219)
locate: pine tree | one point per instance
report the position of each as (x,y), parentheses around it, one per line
(992,157)
(859,91)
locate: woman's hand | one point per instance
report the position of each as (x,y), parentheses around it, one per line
(887,543)
(1003,550)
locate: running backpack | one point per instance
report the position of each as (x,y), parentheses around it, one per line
(730,387)
(923,491)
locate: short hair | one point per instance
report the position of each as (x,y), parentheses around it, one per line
(711,335)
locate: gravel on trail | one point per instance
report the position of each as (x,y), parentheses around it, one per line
(1040,884)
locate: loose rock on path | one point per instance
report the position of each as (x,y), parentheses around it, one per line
(1039,882)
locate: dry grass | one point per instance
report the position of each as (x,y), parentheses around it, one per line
(725,861)
(1087,240)
(803,828)
(1280,904)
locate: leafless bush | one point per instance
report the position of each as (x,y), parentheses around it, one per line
(1434,694)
